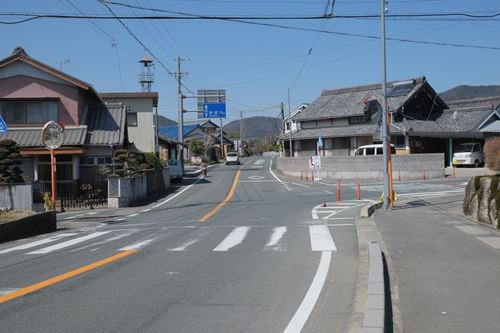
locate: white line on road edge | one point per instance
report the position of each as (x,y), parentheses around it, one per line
(136,246)
(132,215)
(184,246)
(69,243)
(145,210)
(302,314)
(272,173)
(234,238)
(321,239)
(79,215)
(174,196)
(5,291)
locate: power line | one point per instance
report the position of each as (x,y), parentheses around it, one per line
(144,46)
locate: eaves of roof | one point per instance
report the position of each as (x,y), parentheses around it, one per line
(332,132)
(32,137)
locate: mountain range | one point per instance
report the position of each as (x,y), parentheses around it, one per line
(468,92)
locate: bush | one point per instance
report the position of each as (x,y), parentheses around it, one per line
(9,159)
(197,147)
(152,161)
(492,154)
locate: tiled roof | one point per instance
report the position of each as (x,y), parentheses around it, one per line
(494,127)
(106,124)
(333,132)
(31,137)
(493,101)
(172,132)
(349,101)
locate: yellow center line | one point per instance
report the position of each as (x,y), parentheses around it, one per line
(62,277)
(226,199)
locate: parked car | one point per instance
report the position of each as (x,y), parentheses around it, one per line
(175,168)
(469,153)
(377,149)
(232,157)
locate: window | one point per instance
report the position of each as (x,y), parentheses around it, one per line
(476,148)
(398,141)
(370,151)
(380,151)
(28,112)
(132,119)
(86,161)
(91,161)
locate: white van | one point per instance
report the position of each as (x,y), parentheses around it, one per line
(377,149)
(469,153)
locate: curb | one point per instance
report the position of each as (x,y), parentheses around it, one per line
(369,209)
(374,320)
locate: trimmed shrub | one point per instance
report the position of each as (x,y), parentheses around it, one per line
(9,159)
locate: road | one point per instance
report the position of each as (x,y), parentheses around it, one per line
(267,259)
(242,250)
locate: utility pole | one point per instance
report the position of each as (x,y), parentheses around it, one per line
(240,149)
(385,128)
(181,113)
(221,141)
(290,125)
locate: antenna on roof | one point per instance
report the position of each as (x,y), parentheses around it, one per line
(63,62)
(146,77)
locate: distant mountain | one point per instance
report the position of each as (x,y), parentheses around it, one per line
(256,127)
(164,121)
(470,92)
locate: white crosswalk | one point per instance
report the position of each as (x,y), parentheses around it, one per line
(275,238)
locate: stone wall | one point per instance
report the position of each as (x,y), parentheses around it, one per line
(481,200)
(28,226)
(367,167)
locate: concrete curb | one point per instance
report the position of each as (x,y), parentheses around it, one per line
(374,320)
(369,209)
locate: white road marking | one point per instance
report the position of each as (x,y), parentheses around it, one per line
(423,194)
(5,291)
(132,215)
(79,215)
(184,246)
(37,243)
(273,243)
(272,173)
(176,195)
(257,181)
(494,242)
(321,239)
(120,219)
(145,210)
(68,243)
(256,177)
(137,245)
(260,161)
(108,240)
(463,184)
(298,184)
(302,314)
(234,238)
(471,230)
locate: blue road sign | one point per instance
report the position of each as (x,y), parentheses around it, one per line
(214,110)
(3,126)
(320,142)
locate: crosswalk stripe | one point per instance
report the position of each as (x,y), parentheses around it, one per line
(185,245)
(277,235)
(321,239)
(234,238)
(68,243)
(38,243)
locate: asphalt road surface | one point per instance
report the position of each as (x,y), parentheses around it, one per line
(239,251)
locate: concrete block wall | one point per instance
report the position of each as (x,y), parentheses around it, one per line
(16,196)
(367,167)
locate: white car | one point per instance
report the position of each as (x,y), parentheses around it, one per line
(232,157)
(469,153)
(377,149)
(175,169)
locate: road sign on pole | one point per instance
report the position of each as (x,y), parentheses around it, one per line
(214,110)
(3,126)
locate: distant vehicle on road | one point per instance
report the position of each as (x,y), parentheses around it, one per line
(175,168)
(469,153)
(377,149)
(232,157)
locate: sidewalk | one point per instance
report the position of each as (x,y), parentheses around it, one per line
(443,267)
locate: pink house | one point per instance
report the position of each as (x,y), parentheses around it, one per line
(32,93)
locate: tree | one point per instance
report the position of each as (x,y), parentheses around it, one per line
(128,164)
(492,154)
(197,147)
(9,159)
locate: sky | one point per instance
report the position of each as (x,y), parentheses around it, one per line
(258,65)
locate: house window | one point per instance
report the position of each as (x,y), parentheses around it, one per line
(28,112)
(86,161)
(398,141)
(357,120)
(91,161)
(132,119)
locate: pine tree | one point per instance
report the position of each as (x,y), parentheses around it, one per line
(9,160)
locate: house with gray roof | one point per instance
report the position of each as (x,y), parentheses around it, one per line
(33,93)
(421,122)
